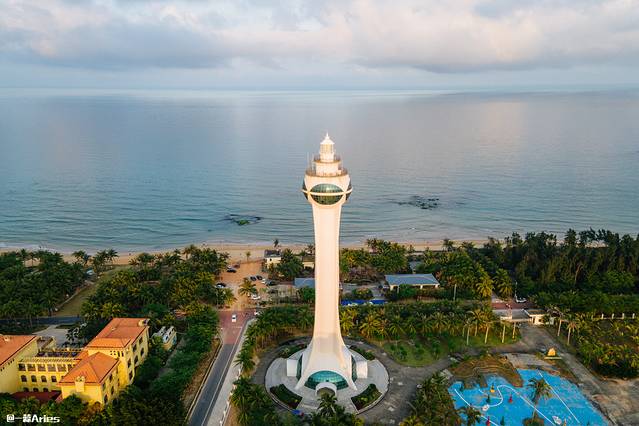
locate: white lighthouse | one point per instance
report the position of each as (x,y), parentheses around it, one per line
(327,362)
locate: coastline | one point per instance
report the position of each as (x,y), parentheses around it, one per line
(237,251)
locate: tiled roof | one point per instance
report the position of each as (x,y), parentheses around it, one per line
(119,333)
(412,279)
(272,253)
(42,397)
(10,345)
(304,282)
(94,368)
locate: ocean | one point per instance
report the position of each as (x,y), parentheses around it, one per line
(151,170)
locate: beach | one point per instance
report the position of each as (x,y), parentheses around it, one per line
(237,252)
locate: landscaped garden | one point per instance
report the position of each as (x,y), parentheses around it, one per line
(289,398)
(364,399)
(418,333)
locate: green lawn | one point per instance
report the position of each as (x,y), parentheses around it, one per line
(422,352)
(74,306)
(411,353)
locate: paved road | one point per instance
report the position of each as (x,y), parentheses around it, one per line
(44,320)
(231,333)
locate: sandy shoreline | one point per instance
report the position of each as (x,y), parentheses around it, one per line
(238,251)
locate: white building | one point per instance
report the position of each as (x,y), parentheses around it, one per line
(326,363)
(272,257)
(168,335)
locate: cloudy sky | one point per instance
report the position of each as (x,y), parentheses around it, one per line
(318,43)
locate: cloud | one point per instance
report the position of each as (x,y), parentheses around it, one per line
(443,37)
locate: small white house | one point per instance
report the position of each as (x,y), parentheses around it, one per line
(168,335)
(272,257)
(537,316)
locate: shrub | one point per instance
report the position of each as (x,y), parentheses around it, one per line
(370,395)
(289,398)
(363,352)
(290,350)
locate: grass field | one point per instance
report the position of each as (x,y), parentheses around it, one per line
(422,352)
(74,306)
(410,353)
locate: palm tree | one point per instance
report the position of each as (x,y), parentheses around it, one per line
(111,255)
(477,318)
(439,322)
(347,320)
(411,421)
(503,283)
(395,329)
(540,390)
(242,398)
(190,250)
(81,257)
(276,243)
(248,256)
(247,288)
(245,360)
(370,326)
(448,245)
(571,326)
(472,415)
(328,405)
(484,287)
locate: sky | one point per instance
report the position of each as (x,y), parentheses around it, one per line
(318,44)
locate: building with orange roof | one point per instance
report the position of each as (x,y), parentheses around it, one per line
(12,349)
(43,371)
(93,379)
(126,339)
(95,373)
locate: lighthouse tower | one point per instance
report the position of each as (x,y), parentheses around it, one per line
(327,362)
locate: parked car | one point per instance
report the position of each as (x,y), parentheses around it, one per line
(231,270)
(220,285)
(234,318)
(255,297)
(253,278)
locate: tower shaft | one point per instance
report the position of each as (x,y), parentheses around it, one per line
(326,187)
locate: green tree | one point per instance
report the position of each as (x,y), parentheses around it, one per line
(503,283)
(306,294)
(247,288)
(540,390)
(471,415)
(290,266)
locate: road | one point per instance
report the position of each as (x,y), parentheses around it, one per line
(231,333)
(44,320)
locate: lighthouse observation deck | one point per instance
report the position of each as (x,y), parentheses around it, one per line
(326,163)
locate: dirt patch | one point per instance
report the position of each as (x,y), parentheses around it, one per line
(473,370)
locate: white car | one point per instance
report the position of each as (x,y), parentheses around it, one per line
(255,297)
(234,318)
(520,300)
